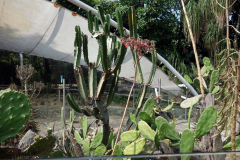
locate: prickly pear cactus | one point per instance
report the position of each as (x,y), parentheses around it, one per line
(97,140)
(206,121)
(146,117)
(135,147)
(146,130)
(130,136)
(42,146)
(100,150)
(148,106)
(14,113)
(190,101)
(213,79)
(186,143)
(171,133)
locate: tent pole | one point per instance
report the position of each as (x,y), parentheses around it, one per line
(160,58)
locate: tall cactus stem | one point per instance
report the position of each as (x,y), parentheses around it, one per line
(96,24)
(101,15)
(85,48)
(195,53)
(90,21)
(130,22)
(119,22)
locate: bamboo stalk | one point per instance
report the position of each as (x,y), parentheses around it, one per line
(125,111)
(195,53)
(234,113)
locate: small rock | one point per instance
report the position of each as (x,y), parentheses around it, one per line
(27,140)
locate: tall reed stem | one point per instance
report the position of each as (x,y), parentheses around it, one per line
(195,53)
(125,111)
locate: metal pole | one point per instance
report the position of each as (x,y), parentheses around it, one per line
(159,90)
(64,99)
(186,108)
(59,94)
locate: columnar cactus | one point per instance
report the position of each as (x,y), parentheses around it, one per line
(14,113)
(111,53)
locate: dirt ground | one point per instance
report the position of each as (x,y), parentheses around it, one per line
(48,108)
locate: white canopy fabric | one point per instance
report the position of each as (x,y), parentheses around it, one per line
(36,27)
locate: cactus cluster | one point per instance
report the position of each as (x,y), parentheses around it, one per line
(154,131)
(110,56)
(14,113)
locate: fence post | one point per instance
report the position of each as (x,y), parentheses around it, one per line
(64,109)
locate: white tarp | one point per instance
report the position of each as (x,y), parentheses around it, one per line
(36,27)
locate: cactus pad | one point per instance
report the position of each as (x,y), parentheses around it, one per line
(100,150)
(146,117)
(135,147)
(213,79)
(190,101)
(41,146)
(130,136)
(146,130)
(186,143)
(207,63)
(171,133)
(14,113)
(206,121)
(188,79)
(97,140)
(148,106)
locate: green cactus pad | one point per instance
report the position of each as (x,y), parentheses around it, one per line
(78,137)
(110,139)
(42,146)
(171,133)
(86,147)
(130,136)
(188,79)
(213,79)
(229,144)
(148,106)
(146,130)
(203,70)
(168,107)
(14,113)
(162,131)
(133,118)
(146,117)
(190,101)
(118,151)
(207,63)
(85,126)
(206,121)
(135,147)
(216,89)
(100,150)
(56,154)
(97,140)
(186,143)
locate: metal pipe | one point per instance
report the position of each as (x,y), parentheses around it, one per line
(160,58)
